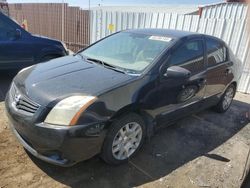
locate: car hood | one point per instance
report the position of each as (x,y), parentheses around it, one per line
(66,76)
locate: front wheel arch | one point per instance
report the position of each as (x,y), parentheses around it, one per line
(135,108)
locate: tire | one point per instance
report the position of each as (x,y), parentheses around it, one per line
(118,145)
(226,99)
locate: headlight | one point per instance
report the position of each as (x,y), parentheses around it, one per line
(68,111)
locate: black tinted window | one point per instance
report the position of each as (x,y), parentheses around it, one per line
(190,52)
(189,56)
(5,30)
(216,52)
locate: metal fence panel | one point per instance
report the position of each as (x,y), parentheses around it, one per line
(225,11)
(55,20)
(232,31)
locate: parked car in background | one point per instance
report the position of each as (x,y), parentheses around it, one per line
(110,96)
(19,48)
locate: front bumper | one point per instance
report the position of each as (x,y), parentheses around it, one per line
(59,145)
(48,159)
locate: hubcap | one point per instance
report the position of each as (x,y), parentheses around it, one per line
(228,98)
(126,141)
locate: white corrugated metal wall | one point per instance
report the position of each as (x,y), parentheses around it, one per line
(225,10)
(232,31)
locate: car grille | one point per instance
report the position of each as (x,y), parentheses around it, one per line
(22,103)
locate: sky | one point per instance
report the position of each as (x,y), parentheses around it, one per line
(94,3)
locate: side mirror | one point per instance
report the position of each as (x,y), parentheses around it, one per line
(177,72)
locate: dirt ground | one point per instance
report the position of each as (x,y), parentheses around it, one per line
(204,150)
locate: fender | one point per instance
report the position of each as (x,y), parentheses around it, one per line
(148,119)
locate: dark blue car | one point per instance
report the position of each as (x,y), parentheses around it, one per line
(19,48)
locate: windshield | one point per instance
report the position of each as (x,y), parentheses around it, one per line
(130,51)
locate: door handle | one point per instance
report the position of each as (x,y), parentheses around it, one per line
(228,71)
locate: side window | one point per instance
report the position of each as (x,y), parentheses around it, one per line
(5,30)
(189,56)
(216,52)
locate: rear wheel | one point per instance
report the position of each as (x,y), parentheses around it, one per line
(226,99)
(124,139)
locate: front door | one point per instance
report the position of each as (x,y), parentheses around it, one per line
(178,97)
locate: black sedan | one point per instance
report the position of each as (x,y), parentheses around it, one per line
(112,95)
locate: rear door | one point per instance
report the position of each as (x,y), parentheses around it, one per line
(16,47)
(218,67)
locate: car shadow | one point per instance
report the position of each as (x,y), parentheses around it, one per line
(166,151)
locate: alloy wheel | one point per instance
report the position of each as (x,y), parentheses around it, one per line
(126,141)
(227,100)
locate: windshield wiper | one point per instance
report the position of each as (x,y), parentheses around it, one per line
(96,61)
(106,65)
(82,56)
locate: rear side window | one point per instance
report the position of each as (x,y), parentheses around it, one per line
(5,30)
(216,52)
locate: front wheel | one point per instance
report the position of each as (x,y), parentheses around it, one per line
(124,139)
(226,99)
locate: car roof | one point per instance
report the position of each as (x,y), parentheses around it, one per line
(176,34)
(164,32)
